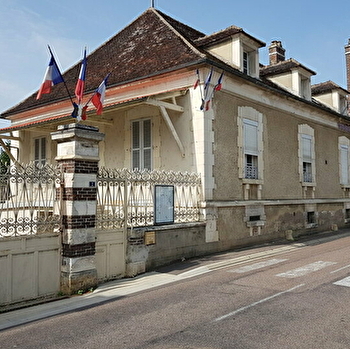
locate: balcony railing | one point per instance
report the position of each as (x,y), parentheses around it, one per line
(251,172)
(307,177)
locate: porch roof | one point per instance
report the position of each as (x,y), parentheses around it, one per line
(64,116)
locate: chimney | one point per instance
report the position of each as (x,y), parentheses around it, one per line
(277,52)
(347,62)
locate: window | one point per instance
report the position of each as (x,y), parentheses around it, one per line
(250,143)
(311,218)
(245,62)
(249,61)
(251,150)
(344,160)
(305,88)
(141,144)
(347,214)
(307,155)
(307,158)
(40,151)
(344,164)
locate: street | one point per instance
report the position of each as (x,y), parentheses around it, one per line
(286,296)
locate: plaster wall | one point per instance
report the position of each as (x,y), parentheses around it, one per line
(115,150)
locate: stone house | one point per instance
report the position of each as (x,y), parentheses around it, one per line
(272,151)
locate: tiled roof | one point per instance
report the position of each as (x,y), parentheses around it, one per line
(152,44)
(283,67)
(224,35)
(324,87)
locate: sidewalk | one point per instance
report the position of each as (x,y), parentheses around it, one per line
(124,287)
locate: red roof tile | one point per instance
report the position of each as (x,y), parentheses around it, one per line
(223,35)
(283,67)
(324,87)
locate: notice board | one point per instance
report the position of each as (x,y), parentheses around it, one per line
(164,204)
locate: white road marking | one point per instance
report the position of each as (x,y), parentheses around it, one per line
(335,271)
(256,303)
(309,268)
(256,266)
(343,282)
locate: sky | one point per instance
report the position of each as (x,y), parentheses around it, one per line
(314,32)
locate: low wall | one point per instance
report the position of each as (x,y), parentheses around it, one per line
(259,222)
(29,267)
(152,247)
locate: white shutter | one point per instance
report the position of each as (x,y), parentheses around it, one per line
(147,145)
(307,148)
(344,163)
(250,137)
(141,144)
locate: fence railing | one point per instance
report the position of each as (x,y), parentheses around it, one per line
(128,197)
(28,203)
(27,200)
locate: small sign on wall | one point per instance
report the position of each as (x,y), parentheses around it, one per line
(164,204)
(150,238)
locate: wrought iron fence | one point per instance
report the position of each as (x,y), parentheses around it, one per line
(129,196)
(27,200)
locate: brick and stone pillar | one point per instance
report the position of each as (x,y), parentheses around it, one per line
(78,156)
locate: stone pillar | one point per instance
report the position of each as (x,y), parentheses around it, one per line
(78,156)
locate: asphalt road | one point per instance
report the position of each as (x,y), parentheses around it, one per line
(293,298)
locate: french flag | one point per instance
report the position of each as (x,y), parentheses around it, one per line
(99,96)
(52,77)
(197,81)
(208,79)
(218,86)
(79,89)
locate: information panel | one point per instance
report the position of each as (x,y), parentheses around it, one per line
(164,204)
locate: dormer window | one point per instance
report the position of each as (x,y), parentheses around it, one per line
(305,87)
(288,74)
(250,61)
(235,47)
(331,95)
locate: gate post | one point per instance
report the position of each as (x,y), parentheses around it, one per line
(78,156)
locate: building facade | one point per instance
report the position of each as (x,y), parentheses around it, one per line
(272,150)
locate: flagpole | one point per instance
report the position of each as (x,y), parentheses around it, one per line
(64,82)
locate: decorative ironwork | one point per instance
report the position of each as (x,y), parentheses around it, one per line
(307,176)
(27,200)
(251,172)
(129,195)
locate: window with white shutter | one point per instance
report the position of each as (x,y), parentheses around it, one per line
(344,161)
(40,151)
(142,144)
(307,158)
(251,148)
